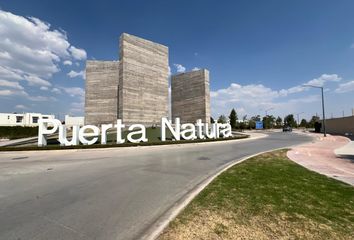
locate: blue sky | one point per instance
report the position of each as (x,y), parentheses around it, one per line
(258,53)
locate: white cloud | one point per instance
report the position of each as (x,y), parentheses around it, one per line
(10,74)
(5,55)
(30,45)
(179,68)
(56,90)
(77,53)
(253,99)
(10,84)
(74,91)
(24,94)
(195,69)
(73,74)
(320,81)
(41,98)
(345,87)
(68,62)
(34,80)
(323,79)
(296,89)
(6,92)
(253,94)
(77,107)
(20,106)
(43,88)
(307,99)
(31,50)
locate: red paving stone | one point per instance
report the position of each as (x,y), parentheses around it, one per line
(319,156)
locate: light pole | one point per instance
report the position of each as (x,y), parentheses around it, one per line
(298,118)
(323,108)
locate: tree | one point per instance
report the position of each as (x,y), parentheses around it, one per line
(212,120)
(290,121)
(233,119)
(311,123)
(242,125)
(222,119)
(253,120)
(268,121)
(279,122)
(256,118)
(303,123)
(318,127)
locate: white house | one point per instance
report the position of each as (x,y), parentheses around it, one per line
(22,119)
(74,121)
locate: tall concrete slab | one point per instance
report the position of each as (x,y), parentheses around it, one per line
(101,98)
(143,81)
(190,96)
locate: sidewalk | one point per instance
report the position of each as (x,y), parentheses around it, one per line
(320,156)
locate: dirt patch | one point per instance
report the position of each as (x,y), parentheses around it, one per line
(224,225)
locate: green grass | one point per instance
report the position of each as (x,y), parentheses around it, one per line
(18,132)
(153,135)
(268,197)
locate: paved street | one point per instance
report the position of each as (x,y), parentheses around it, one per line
(108,193)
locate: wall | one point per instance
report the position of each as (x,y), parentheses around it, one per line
(190,96)
(143,81)
(74,121)
(340,125)
(101,98)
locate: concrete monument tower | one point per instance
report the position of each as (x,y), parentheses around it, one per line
(143,81)
(134,89)
(101,97)
(190,96)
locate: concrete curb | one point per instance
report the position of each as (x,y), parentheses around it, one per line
(154,231)
(346,151)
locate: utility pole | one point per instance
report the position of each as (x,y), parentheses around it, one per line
(323,108)
(298,118)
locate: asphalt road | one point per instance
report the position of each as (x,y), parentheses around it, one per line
(108,193)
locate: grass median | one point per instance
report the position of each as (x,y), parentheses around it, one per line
(268,197)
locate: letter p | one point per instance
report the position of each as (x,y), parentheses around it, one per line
(43,130)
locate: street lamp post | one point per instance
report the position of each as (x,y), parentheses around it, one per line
(323,108)
(298,118)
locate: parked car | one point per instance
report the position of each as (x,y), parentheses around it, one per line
(287,129)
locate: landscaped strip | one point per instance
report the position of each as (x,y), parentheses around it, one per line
(58,147)
(268,197)
(16,132)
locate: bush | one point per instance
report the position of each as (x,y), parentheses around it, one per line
(18,132)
